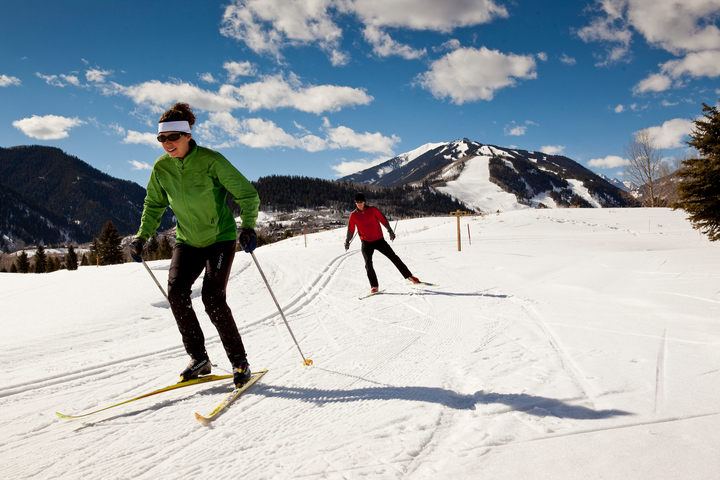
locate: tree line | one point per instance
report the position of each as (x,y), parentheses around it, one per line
(291,193)
(107,249)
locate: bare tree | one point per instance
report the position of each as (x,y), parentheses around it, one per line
(646,163)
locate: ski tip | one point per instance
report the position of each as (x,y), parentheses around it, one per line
(203,420)
(61,415)
(370,294)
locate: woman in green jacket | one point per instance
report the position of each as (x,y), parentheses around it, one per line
(195,181)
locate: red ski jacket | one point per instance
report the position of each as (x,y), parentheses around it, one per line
(368,224)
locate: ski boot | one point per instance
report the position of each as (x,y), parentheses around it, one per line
(196,368)
(242,374)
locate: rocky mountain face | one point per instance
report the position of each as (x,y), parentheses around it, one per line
(52,197)
(534,178)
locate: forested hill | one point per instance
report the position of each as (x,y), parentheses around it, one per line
(51,197)
(290,193)
(70,188)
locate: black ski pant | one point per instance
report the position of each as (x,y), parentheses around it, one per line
(368,248)
(185,267)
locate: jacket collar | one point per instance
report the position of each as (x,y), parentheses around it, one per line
(182,162)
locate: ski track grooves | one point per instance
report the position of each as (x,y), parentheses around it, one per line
(102,370)
(566,361)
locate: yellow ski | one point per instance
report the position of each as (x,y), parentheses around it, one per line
(195,381)
(233,395)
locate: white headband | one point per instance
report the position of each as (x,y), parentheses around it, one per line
(180,126)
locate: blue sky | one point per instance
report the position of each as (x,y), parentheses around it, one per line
(323,88)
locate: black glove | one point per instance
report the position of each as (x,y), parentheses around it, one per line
(136,248)
(391,233)
(347,246)
(248,239)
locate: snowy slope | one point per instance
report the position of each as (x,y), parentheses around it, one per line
(520,179)
(560,344)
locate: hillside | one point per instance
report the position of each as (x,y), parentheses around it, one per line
(535,179)
(24,222)
(291,193)
(70,188)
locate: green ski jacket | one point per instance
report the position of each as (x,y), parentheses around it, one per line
(195,187)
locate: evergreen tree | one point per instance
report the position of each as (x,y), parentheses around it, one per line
(94,252)
(110,245)
(71,260)
(40,259)
(53,264)
(165,250)
(699,186)
(151,248)
(84,262)
(13,268)
(22,263)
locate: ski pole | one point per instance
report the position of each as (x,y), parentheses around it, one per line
(306,362)
(156,282)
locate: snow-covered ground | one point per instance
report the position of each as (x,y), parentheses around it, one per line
(559,344)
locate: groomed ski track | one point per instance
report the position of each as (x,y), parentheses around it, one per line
(501,368)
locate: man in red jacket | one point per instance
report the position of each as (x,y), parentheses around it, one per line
(367,220)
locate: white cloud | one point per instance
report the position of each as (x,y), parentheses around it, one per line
(696,64)
(117,129)
(469,74)
(426,14)
(542,56)
(611,161)
(552,149)
(49,127)
(269,93)
(96,75)
(51,79)
(222,127)
(384,46)
(683,28)
(352,166)
(6,81)
(207,77)
(619,109)
(71,79)
(239,69)
(676,26)
(277,92)
(512,129)
(222,130)
(142,138)
(452,44)
(611,31)
(268,26)
(160,95)
(671,133)
(344,137)
(135,165)
(654,83)
(567,60)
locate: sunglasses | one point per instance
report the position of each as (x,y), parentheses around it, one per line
(172,137)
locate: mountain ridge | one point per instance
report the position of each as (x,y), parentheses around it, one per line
(536,179)
(82,197)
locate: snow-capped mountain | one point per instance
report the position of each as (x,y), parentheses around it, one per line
(625,186)
(490,178)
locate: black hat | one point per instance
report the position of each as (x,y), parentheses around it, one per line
(359,197)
